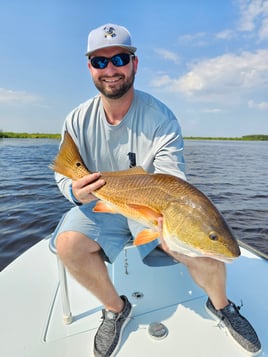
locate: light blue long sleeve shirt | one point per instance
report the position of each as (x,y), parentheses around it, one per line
(149,134)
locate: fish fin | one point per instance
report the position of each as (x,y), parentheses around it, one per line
(138,170)
(103,207)
(146,236)
(68,162)
(147,212)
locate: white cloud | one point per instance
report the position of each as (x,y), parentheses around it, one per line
(198,39)
(261,106)
(168,55)
(254,17)
(225,35)
(263,32)
(252,22)
(227,76)
(161,81)
(11,96)
(212,110)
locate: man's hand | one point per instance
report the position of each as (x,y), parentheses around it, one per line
(84,187)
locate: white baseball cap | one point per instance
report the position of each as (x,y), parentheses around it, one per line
(109,35)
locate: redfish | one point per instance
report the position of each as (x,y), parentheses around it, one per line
(192,225)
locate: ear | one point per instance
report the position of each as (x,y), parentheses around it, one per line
(89,67)
(135,64)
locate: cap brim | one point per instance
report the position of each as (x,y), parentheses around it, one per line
(129,48)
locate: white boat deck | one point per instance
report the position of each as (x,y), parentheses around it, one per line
(31,314)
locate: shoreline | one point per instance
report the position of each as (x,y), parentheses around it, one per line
(13,135)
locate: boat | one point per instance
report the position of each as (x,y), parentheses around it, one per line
(169,316)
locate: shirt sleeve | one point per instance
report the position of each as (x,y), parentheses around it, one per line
(169,157)
(65,183)
(65,187)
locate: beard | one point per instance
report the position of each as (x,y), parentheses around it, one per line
(115,91)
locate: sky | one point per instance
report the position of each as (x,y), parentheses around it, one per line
(207,60)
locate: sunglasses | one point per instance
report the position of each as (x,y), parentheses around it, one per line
(120,60)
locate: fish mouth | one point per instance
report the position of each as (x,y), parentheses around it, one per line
(216,256)
(221,258)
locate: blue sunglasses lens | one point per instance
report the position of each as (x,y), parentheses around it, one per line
(122,59)
(99,62)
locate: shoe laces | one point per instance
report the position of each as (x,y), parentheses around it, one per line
(231,308)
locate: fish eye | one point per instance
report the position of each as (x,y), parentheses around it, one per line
(213,235)
(78,164)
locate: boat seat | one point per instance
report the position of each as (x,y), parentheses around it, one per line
(65,301)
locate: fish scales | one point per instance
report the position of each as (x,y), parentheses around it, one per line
(141,188)
(153,190)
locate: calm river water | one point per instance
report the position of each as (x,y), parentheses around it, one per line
(233,174)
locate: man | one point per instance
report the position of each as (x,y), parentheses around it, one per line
(120,128)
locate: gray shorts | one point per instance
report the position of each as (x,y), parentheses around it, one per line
(112,232)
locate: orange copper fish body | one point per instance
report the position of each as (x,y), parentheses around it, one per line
(192,225)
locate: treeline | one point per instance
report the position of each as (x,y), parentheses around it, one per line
(254,137)
(9,134)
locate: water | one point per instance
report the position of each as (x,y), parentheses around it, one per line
(232,173)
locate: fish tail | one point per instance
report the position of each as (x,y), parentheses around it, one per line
(68,161)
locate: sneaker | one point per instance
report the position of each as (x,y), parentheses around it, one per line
(237,326)
(108,337)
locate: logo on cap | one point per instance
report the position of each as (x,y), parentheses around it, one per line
(109,31)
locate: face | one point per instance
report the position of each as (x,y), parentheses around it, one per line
(113,82)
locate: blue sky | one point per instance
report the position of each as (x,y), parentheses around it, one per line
(207,60)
